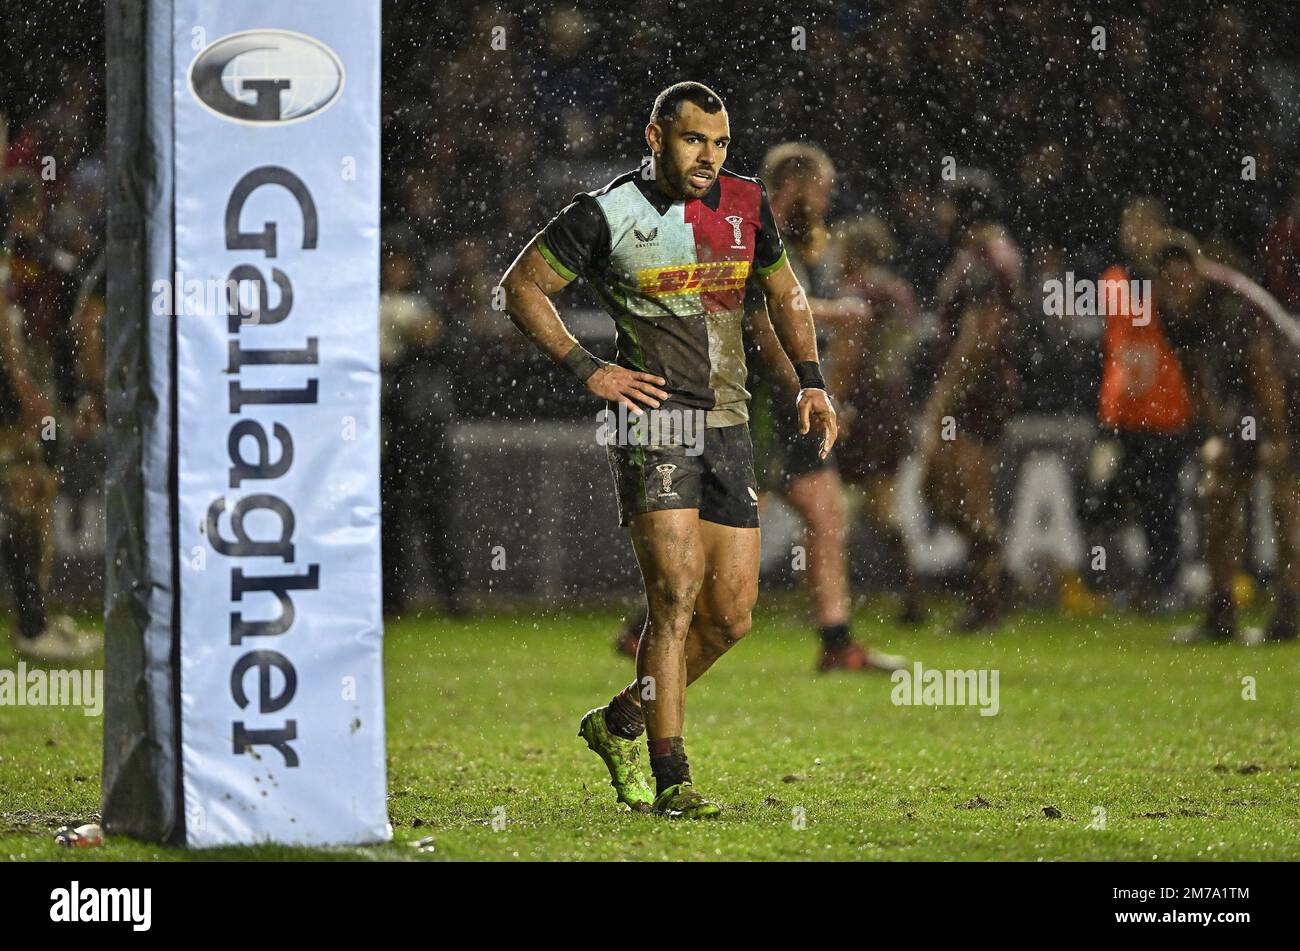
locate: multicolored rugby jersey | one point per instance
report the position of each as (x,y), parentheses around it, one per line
(672,275)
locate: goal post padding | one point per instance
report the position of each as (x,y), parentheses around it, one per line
(242,614)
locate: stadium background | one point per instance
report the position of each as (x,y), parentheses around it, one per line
(487,444)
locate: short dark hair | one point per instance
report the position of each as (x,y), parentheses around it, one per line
(668,103)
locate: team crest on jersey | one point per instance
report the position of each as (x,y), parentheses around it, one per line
(705,277)
(665,471)
(643,239)
(736,221)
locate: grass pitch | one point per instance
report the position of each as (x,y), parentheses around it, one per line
(1108,745)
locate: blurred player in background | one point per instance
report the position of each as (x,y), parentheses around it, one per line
(669,253)
(88,351)
(980,298)
(27,413)
(1226,349)
(800,179)
(869,381)
(1282,270)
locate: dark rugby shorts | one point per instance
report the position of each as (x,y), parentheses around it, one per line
(719,481)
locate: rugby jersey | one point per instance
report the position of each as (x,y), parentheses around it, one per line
(672,275)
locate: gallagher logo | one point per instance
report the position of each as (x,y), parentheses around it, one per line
(265,76)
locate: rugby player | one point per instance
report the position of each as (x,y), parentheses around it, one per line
(1238,397)
(668,253)
(871,389)
(980,297)
(801,178)
(28,484)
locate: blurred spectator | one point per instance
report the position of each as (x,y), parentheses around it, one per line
(41,283)
(417,404)
(1282,252)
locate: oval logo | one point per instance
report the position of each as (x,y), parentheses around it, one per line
(266,76)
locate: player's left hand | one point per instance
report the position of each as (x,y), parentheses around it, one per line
(816,413)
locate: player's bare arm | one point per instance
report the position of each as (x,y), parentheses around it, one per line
(978,325)
(847,314)
(770,350)
(13,362)
(792,320)
(782,370)
(529,284)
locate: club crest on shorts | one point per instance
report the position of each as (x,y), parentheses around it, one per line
(665,470)
(735,221)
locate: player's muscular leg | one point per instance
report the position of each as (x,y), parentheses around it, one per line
(1283,625)
(818,499)
(670,553)
(979,459)
(27,488)
(1283,479)
(1223,492)
(879,492)
(31,489)
(1288,550)
(960,489)
(723,609)
(941,487)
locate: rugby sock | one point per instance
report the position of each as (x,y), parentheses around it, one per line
(623,716)
(835,635)
(21,550)
(668,762)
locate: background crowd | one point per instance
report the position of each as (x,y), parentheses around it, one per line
(495,115)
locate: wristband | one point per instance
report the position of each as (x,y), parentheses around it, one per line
(581,363)
(809,373)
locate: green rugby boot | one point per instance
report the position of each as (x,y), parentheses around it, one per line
(623,758)
(684,801)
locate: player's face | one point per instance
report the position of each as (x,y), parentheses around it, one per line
(691,150)
(809,201)
(816,197)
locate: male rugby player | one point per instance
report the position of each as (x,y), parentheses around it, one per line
(980,298)
(669,254)
(1238,396)
(28,484)
(801,178)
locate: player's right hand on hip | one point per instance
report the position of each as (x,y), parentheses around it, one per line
(636,390)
